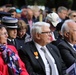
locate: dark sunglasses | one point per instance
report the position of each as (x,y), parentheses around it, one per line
(73,15)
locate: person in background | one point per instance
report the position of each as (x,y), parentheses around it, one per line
(2,14)
(72,15)
(23,12)
(52,19)
(34,57)
(36,13)
(62,12)
(67,46)
(59,37)
(29,19)
(10,63)
(21,32)
(13,12)
(18,13)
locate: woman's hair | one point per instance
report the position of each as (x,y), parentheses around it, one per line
(22,25)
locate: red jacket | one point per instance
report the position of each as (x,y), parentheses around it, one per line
(4,67)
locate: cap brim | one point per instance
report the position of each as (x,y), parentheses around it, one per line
(54,23)
(13,27)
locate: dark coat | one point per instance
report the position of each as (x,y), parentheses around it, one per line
(19,44)
(67,52)
(36,66)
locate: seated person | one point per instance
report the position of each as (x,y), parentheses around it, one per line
(12,26)
(52,19)
(58,34)
(66,47)
(21,32)
(10,63)
(34,56)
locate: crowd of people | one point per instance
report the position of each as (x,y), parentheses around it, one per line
(37,42)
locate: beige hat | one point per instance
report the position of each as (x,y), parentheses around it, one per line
(53,18)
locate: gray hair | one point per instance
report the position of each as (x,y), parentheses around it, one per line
(65,27)
(61,8)
(37,27)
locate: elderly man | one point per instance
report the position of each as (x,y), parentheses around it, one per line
(40,58)
(67,46)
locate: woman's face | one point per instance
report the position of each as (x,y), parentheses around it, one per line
(3,36)
(21,33)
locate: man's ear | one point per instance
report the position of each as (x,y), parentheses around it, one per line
(66,34)
(37,35)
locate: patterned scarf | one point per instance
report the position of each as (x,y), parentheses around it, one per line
(11,59)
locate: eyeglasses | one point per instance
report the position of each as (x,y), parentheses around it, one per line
(47,32)
(73,15)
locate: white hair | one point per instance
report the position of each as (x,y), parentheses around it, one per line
(37,27)
(65,27)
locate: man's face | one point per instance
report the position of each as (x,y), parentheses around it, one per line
(3,36)
(29,14)
(24,11)
(72,33)
(63,14)
(44,37)
(12,33)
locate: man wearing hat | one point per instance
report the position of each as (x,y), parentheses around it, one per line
(52,19)
(2,13)
(11,25)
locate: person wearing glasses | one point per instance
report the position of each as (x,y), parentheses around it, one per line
(10,63)
(72,15)
(34,56)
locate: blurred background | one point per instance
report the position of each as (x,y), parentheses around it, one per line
(71,4)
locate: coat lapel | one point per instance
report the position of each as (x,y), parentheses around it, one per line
(34,50)
(70,48)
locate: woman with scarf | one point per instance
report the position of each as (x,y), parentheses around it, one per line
(10,63)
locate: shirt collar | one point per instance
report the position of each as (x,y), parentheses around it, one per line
(37,45)
(10,39)
(70,44)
